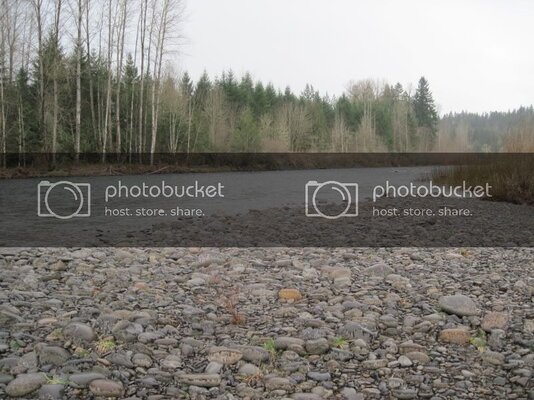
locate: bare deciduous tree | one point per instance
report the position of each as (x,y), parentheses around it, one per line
(123,16)
(55,73)
(3,20)
(39,19)
(79,19)
(107,116)
(89,70)
(340,135)
(169,16)
(143,28)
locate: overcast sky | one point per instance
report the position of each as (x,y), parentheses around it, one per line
(478,55)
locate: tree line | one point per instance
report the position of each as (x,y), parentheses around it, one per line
(83,76)
(511,131)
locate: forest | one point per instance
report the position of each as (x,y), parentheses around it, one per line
(100,76)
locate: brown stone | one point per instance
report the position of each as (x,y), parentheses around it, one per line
(495,320)
(106,388)
(418,356)
(455,336)
(224,355)
(290,294)
(140,286)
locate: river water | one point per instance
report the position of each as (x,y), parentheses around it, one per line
(21,199)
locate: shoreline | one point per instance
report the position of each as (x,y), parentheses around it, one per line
(41,165)
(107,170)
(135,170)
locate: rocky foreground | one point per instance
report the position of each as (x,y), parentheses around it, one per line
(267,323)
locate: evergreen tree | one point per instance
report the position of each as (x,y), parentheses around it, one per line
(424,107)
(259,104)
(288,95)
(202,89)
(246,90)
(246,136)
(270,96)
(130,70)
(26,114)
(230,86)
(308,94)
(398,91)
(186,85)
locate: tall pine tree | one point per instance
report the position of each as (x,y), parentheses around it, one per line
(424,107)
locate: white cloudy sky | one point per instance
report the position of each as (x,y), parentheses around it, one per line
(477,54)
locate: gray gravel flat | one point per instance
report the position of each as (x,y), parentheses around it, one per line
(301,323)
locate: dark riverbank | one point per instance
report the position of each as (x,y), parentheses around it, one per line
(64,165)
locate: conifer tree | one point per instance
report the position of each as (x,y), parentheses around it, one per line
(186,85)
(424,107)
